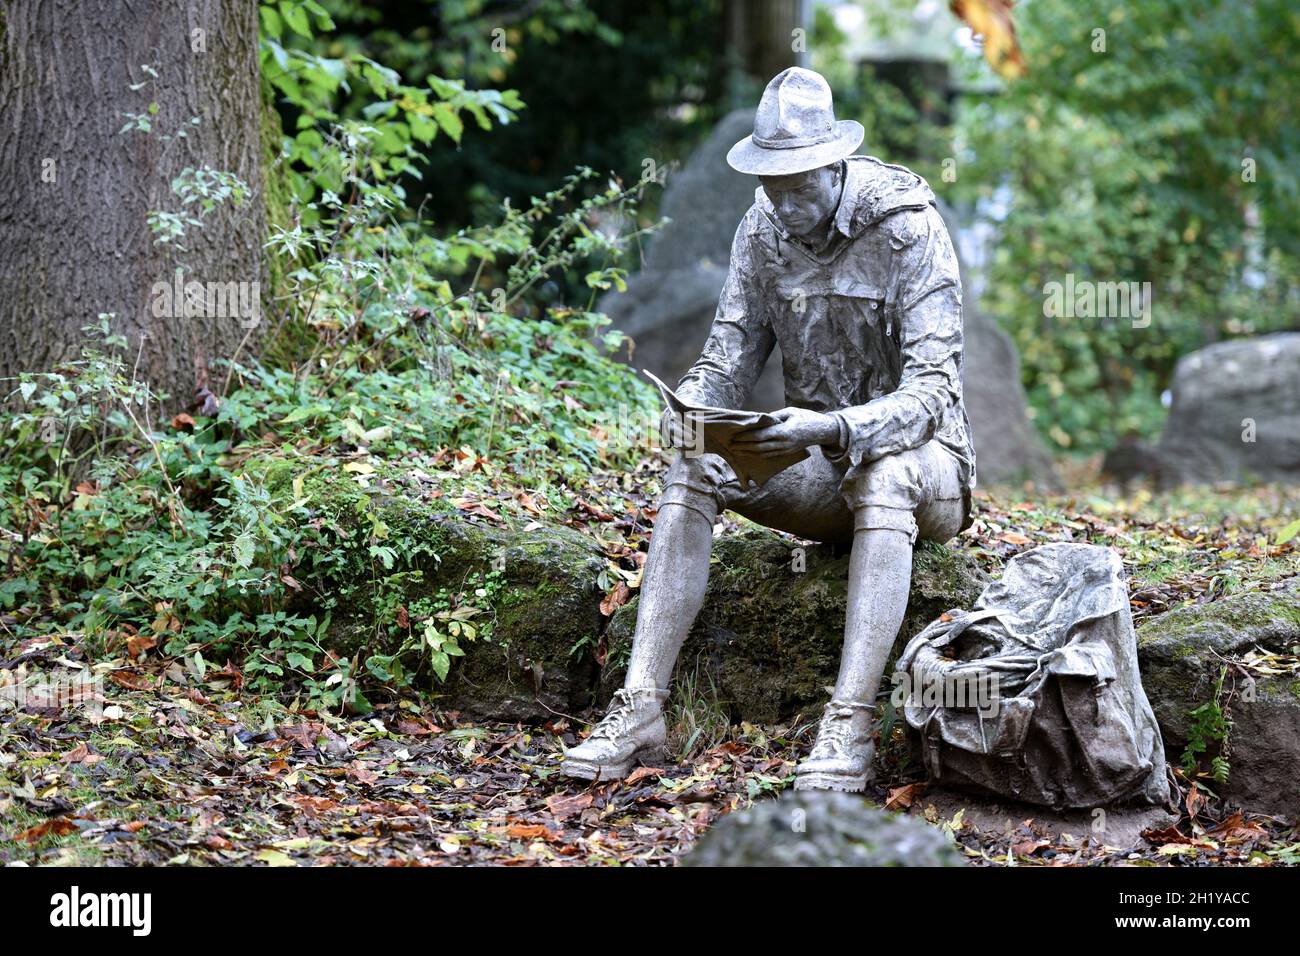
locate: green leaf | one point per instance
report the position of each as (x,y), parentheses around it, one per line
(441,664)
(244,549)
(1287,533)
(380,666)
(296,17)
(379,108)
(422,128)
(449,121)
(480,115)
(301,412)
(272,25)
(336,70)
(323,19)
(281,57)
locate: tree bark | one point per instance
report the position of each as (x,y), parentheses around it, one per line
(760,36)
(74,238)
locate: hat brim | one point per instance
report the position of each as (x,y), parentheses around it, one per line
(748,157)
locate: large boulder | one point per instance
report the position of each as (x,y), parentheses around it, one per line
(705,200)
(1235,413)
(812,828)
(1182,655)
(1007,449)
(770,633)
(669,306)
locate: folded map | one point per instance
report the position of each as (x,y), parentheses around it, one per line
(712,430)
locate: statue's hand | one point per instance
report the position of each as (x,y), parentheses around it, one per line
(796,428)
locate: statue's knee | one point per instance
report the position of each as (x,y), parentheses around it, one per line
(893,481)
(695,481)
(884,494)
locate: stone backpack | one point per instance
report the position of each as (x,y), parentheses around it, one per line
(1034,694)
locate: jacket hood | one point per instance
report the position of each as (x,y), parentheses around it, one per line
(877,189)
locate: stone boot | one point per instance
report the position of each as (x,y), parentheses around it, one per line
(631,732)
(841,757)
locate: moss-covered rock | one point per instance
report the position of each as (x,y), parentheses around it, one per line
(532,667)
(772,627)
(536,620)
(1182,655)
(537,667)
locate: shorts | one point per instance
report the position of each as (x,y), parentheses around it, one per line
(919,492)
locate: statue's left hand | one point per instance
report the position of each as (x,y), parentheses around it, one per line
(795,428)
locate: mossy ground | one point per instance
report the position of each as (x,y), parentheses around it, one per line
(199,769)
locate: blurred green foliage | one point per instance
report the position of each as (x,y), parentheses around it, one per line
(607,84)
(906,118)
(1169,156)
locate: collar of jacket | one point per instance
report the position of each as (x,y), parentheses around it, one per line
(872,191)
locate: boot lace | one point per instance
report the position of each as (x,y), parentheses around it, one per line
(616,722)
(835,736)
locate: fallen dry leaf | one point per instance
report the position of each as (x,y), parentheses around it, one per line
(1029,846)
(528,831)
(615,599)
(139,645)
(59,826)
(562,807)
(900,798)
(641,773)
(131,681)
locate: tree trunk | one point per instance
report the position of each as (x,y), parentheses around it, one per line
(74,237)
(760,36)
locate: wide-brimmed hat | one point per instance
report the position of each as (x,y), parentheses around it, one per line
(795,128)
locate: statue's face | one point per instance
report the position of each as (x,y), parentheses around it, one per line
(804,201)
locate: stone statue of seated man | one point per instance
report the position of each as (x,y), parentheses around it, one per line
(845,263)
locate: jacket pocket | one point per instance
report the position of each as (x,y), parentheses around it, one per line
(868,319)
(862,300)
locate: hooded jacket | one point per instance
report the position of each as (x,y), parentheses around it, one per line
(869,325)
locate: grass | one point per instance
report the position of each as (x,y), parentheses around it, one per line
(697,718)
